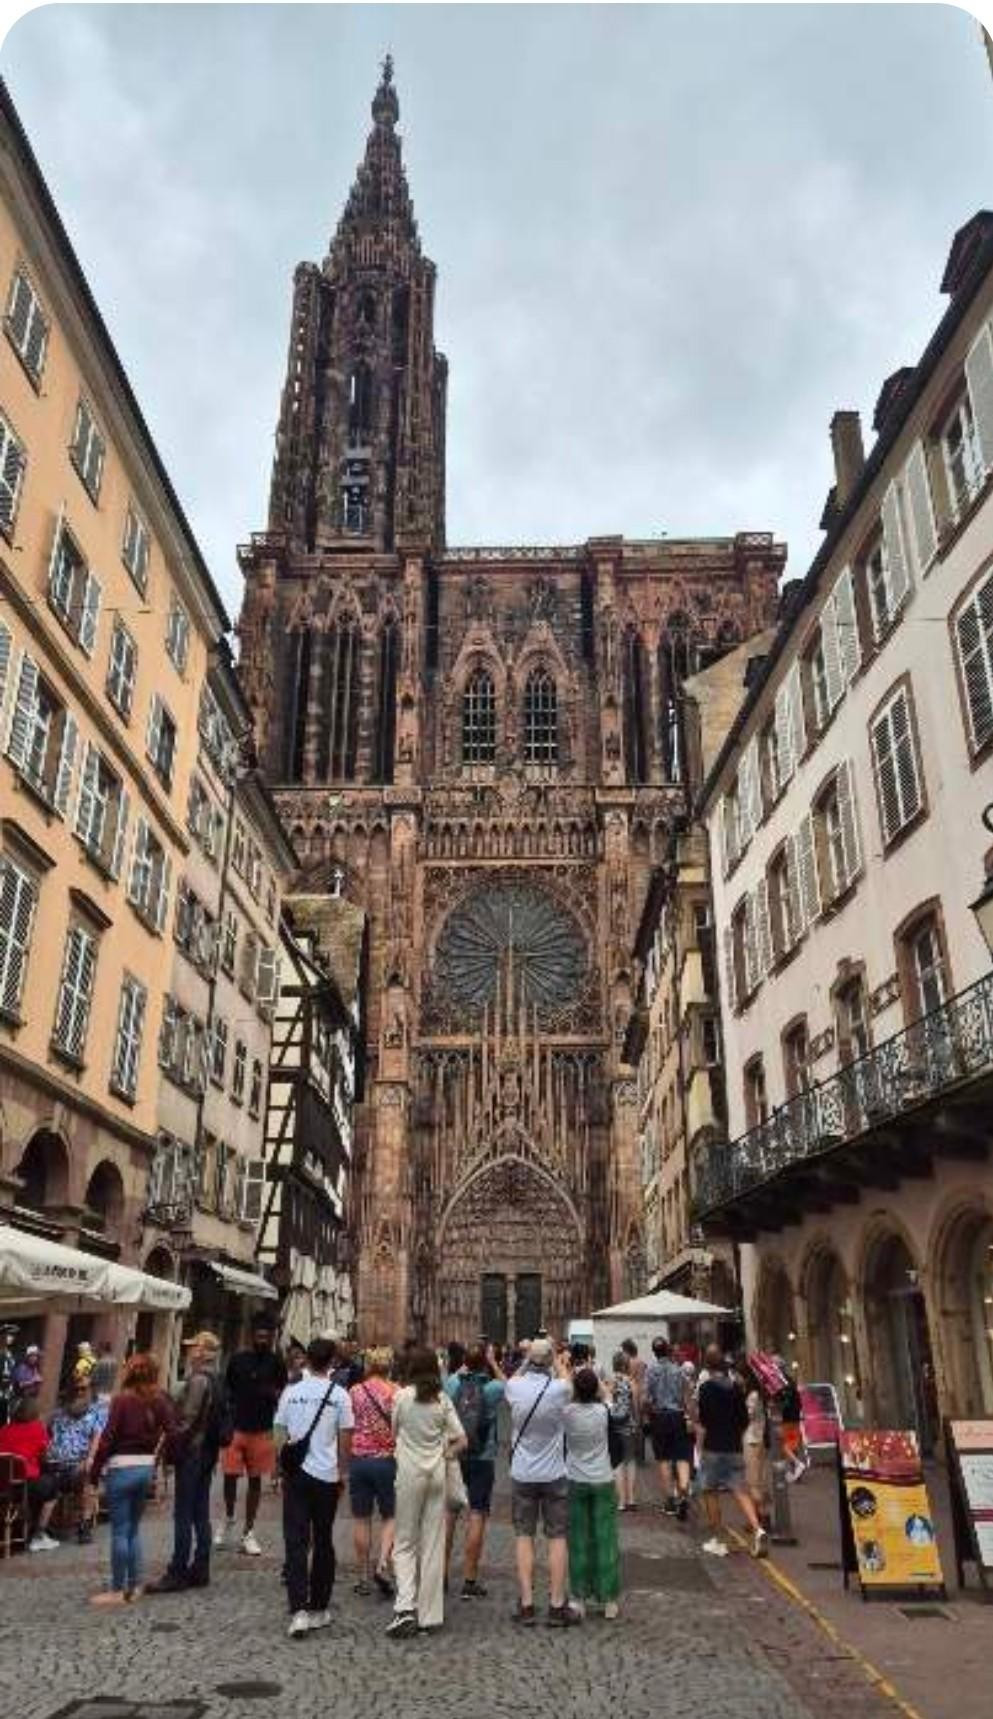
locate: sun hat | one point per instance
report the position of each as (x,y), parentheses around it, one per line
(203,1340)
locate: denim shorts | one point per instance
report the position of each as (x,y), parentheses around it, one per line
(372,1481)
(722,1471)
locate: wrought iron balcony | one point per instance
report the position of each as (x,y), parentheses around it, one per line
(932,1059)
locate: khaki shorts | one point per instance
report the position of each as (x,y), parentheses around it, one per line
(548,1499)
(249,1453)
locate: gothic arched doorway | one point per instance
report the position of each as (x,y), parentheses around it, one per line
(510,1256)
(900,1341)
(965,1302)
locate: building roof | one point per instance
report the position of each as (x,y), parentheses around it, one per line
(338,927)
(108,351)
(969,283)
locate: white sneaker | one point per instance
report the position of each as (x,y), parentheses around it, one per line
(299,1624)
(222,1533)
(42,1543)
(716,1548)
(611,1610)
(760,1544)
(319,1620)
(250,1545)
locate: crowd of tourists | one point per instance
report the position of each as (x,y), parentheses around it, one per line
(414,1436)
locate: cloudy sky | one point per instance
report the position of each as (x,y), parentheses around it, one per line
(671,240)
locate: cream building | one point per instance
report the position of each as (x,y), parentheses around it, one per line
(847,842)
(107,618)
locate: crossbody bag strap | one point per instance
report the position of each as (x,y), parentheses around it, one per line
(308,1435)
(377,1404)
(527,1418)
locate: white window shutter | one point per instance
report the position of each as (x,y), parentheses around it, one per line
(897,573)
(979,380)
(6,661)
(90,614)
(138,862)
(154,727)
(784,735)
(846,621)
(797,915)
(120,832)
(798,721)
(729,969)
(12,463)
(763,927)
(162,907)
(67,759)
(974,635)
(22,713)
(53,559)
(17,905)
(810,889)
(848,813)
(750,944)
(906,757)
(87,789)
(834,678)
(918,493)
(729,836)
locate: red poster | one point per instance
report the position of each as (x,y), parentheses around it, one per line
(821,1414)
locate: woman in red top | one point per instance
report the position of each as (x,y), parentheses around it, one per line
(27,1437)
(372,1470)
(140,1420)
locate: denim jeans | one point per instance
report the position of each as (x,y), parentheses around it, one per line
(127,1489)
(191,1517)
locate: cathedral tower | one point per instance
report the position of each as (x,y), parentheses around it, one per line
(482,748)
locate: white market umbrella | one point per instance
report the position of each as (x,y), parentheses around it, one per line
(47,1277)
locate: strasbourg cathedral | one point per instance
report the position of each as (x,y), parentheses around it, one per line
(482,748)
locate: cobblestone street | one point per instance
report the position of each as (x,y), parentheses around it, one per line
(715,1641)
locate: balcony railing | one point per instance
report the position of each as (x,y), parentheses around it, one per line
(952,1044)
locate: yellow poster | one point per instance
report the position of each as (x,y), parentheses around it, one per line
(889,1510)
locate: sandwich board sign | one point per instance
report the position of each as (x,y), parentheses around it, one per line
(887,1525)
(969,1445)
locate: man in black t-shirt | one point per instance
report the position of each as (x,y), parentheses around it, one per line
(722,1416)
(254,1381)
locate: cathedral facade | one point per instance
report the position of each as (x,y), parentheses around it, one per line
(482,747)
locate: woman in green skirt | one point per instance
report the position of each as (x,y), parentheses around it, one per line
(594,1553)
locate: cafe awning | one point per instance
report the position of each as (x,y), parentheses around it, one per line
(42,1276)
(241,1282)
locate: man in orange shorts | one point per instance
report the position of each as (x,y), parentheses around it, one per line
(255,1379)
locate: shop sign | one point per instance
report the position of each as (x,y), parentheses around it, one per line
(887,1524)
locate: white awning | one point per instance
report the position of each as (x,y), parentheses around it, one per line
(44,1276)
(244,1282)
(663,1304)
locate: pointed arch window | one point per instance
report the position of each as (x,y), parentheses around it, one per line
(635,709)
(541,719)
(340,726)
(360,400)
(387,716)
(479,719)
(299,699)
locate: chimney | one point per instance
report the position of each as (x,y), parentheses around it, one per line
(849,455)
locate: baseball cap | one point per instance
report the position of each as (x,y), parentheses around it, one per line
(540,1353)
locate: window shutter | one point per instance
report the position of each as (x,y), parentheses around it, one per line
(846,620)
(833,675)
(136,881)
(763,927)
(12,463)
(120,832)
(897,575)
(73,1009)
(53,559)
(729,836)
(162,905)
(750,944)
(794,892)
(17,905)
(798,722)
(979,380)
(67,759)
(754,785)
(921,509)
(88,777)
(848,813)
(729,970)
(24,704)
(974,632)
(90,613)
(784,735)
(806,851)
(154,728)
(6,658)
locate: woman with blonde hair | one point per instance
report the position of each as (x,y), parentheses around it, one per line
(139,1421)
(372,1470)
(428,1432)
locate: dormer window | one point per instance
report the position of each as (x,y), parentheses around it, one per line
(961,455)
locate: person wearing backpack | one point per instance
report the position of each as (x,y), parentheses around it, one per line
(202,1427)
(477,1390)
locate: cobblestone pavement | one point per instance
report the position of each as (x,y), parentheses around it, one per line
(696,1637)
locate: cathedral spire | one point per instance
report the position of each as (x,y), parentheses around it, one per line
(380,196)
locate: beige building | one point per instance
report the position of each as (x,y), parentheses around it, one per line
(107,617)
(847,842)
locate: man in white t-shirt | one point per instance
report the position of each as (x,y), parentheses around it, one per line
(317,1407)
(538,1396)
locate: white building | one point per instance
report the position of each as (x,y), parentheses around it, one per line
(847,842)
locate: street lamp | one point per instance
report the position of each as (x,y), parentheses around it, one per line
(982,907)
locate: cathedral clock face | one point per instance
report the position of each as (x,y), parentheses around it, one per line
(546,944)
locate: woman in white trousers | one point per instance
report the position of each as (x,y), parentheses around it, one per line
(427,1431)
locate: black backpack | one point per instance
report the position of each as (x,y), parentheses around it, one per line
(473,1411)
(218,1422)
